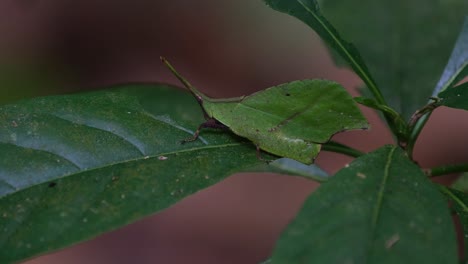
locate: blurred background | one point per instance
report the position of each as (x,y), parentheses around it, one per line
(225,48)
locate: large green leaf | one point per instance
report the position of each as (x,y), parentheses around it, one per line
(405,44)
(73,167)
(380,209)
(459,202)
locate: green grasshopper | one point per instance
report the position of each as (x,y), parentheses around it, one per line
(290,120)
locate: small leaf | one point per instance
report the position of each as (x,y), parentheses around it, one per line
(459,202)
(405,44)
(380,209)
(457,66)
(456,97)
(73,167)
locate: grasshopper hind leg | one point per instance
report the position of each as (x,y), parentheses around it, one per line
(259,156)
(209,123)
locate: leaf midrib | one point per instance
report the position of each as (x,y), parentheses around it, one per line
(380,196)
(148,157)
(362,73)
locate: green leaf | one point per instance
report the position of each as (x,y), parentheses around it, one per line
(308,12)
(457,66)
(459,202)
(456,97)
(380,209)
(405,44)
(73,167)
(290,120)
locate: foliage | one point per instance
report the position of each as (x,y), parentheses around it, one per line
(75,166)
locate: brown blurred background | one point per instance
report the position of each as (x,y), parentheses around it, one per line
(226,48)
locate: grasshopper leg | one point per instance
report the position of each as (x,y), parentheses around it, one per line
(209,123)
(259,155)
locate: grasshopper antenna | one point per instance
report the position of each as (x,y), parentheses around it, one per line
(200,97)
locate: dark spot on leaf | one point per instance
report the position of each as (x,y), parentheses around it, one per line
(256,130)
(52,184)
(288,94)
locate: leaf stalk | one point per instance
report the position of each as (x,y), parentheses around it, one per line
(416,125)
(336,147)
(447,169)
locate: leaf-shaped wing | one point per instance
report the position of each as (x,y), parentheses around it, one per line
(291,119)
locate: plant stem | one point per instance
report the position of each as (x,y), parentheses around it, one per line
(416,125)
(336,147)
(414,133)
(447,169)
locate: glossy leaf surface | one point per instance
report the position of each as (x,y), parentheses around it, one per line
(405,44)
(380,209)
(292,167)
(457,66)
(75,166)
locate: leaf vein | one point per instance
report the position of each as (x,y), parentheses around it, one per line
(133,144)
(380,195)
(45,151)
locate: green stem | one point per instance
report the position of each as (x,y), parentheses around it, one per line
(416,125)
(342,149)
(447,169)
(415,130)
